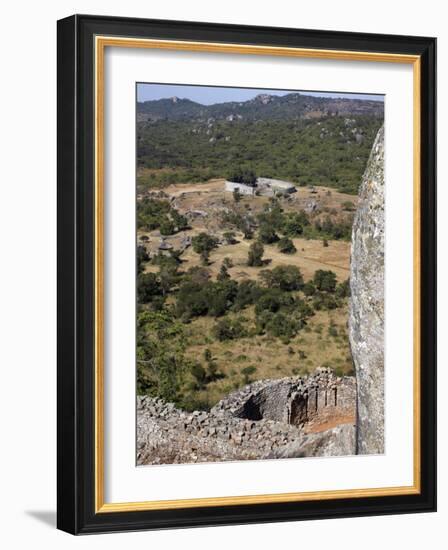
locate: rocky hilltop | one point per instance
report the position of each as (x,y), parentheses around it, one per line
(263,106)
(366,319)
(284,418)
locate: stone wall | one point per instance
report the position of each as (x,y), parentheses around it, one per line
(266,419)
(231,186)
(303,402)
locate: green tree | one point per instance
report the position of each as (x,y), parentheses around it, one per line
(179,220)
(167,227)
(294,223)
(142,257)
(283,277)
(242,175)
(255,255)
(223,274)
(247,293)
(286,246)
(203,244)
(325,280)
(309,289)
(236,195)
(266,234)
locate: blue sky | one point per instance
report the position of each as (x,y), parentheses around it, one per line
(207,95)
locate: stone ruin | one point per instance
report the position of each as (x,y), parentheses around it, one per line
(306,403)
(288,417)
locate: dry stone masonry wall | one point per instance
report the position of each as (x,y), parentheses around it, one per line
(289,417)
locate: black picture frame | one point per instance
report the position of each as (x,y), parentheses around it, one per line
(76,254)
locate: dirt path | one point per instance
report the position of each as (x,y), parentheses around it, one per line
(323,426)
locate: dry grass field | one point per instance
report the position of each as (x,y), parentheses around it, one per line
(315,345)
(209,198)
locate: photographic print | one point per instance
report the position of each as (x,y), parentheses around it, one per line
(260,226)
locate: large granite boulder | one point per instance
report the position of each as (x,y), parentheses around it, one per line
(366,318)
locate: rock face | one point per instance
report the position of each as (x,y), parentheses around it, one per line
(289,417)
(366,318)
(338,441)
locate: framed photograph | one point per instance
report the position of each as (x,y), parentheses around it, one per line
(246,274)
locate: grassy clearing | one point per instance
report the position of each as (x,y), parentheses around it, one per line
(314,346)
(323,341)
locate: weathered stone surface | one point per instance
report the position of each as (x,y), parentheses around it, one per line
(256,422)
(337,441)
(366,318)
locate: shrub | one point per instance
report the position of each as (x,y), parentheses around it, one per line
(227,262)
(281,326)
(192,301)
(242,175)
(142,257)
(284,277)
(199,374)
(247,293)
(343,289)
(148,286)
(229,329)
(309,289)
(271,300)
(325,280)
(167,227)
(267,235)
(324,301)
(230,237)
(247,372)
(223,274)
(197,274)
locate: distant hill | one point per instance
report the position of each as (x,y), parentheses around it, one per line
(262,107)
(304,139)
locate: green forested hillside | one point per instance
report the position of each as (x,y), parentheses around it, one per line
(330,150)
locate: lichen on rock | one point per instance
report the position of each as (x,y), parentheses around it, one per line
(366,316)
